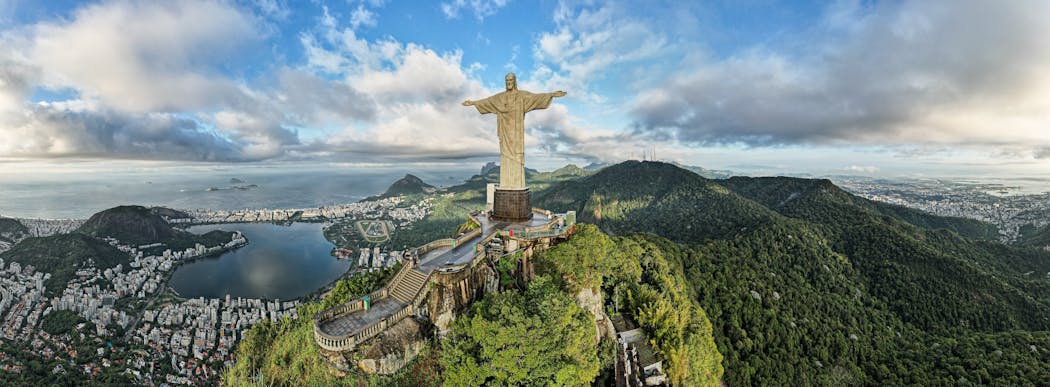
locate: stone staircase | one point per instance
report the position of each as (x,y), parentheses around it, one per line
(406,289)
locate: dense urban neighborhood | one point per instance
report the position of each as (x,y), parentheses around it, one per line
(1003,206)
(129,323)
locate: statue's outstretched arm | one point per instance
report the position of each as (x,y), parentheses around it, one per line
(558,93)
(468,103)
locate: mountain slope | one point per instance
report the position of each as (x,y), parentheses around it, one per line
(137,225)
(1035,237)
(62,255)
(807,284)
(408,185)
(654,197)
(822,201)
(11,231)
(919,273)
(130,224)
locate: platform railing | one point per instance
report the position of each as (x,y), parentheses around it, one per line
(348,341)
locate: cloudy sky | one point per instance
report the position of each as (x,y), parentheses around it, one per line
(863,87)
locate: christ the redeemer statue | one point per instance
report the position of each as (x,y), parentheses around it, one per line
(510,107)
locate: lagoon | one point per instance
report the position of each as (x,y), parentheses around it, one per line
(280,261)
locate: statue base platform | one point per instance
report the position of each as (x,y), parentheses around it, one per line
(512,204)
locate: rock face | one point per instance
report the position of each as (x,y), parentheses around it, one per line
(394,349)
(454,292)
(337,362)
(592,301)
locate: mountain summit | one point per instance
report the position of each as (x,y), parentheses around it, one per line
(129,224)
(408,185)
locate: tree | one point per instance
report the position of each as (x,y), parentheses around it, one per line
(538,336)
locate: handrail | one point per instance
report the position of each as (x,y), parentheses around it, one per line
(348,341)
(544,234)
(433,245)
(549,214)
(358,303)
(468,236)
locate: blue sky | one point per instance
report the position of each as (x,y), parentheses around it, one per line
(857,87)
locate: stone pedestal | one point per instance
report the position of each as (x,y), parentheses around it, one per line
(512,204)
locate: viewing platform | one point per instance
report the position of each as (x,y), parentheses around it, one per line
(342,327)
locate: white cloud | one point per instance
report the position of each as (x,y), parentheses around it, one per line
(480,8)
(306,99)
(361,16)
(143,57)
(511,65)
(861,168)
(17,76)
(592,44)
(72,129)
(950,73)
(146,85)
(259,137)
(417,93)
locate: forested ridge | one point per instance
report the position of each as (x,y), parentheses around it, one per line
(1035,236)
(805,283)
(746,281)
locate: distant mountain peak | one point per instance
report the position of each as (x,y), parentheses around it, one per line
(489,167)
(408,185)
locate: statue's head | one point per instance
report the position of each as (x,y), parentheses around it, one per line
(512,82)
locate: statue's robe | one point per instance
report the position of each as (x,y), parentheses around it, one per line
(510,108)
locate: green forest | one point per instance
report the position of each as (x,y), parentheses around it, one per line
(807,284)
(743,281)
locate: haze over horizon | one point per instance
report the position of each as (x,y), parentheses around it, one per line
(850,87)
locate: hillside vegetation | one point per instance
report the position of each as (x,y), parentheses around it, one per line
(62,255)
(137,225)
(1035,237)
(751,281)
(12,230)
(283,352)
(821,200)
(654,197)
(536,334)
(408,185)
(807,284)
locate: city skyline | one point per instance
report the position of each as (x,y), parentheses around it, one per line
(869,88)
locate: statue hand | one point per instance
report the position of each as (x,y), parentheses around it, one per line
(559,93)
(468,103)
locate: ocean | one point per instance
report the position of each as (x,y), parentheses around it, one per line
(77,191)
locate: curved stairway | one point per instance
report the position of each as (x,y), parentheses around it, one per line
(406,289)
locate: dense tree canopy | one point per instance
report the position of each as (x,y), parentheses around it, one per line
(806,284)
(773,281)
(538,336)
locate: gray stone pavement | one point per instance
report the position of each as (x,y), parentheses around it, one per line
(352,323)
